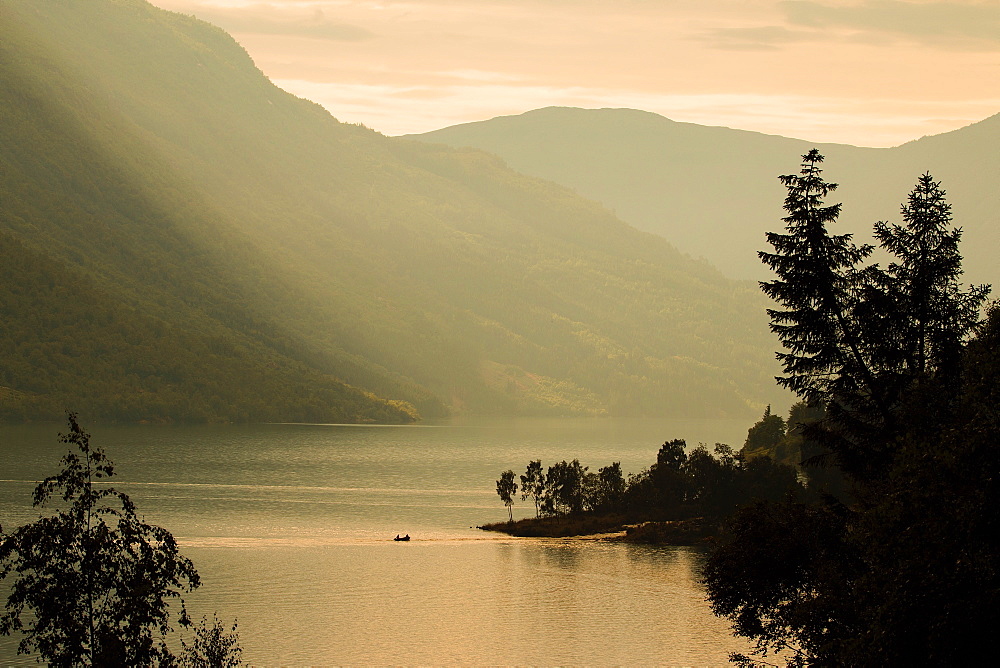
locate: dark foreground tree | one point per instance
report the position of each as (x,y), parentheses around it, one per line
(92,581)
(817,291)
(908,573)
(814,289)
(929,313)
(896,564)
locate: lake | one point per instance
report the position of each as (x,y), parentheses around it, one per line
(290,527)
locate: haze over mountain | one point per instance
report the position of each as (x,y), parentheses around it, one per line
(184,240)
(713,191)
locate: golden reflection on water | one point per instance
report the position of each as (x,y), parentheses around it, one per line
(479,602)
(290,527)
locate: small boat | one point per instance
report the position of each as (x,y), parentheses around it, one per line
(398,537)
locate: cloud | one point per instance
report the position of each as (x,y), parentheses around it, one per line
(967,26)
(480,75)
(758,38)
(956,25)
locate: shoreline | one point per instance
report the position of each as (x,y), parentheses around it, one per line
(614,528)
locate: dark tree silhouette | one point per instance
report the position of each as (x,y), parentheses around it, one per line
(765,435)
(930,312)
(610,487)
(506,488)
(818,289)
(212,646)
(667,475)
(901,569)
(92,581)
(533,484)
(815,290)
(564,486)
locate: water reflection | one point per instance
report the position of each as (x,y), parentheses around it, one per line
(479,602)
(291,527)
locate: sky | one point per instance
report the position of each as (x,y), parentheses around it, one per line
(862,72)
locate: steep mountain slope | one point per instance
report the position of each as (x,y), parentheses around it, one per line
(67,343)
(713,191)
(113,302)
(141,149)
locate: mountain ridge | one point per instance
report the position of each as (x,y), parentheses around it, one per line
(696,184)
(171,172)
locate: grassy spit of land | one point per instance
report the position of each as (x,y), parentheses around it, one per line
(613,527)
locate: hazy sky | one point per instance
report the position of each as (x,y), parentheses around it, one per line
(864,72)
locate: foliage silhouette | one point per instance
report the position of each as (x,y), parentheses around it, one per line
(766,434)
(212,646)
(564,483)
(893,562)
(928,310)
(533,485)
(506,488)
(92,581)
(680,486)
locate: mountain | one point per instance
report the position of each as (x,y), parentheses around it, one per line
(713,191)
(195,243)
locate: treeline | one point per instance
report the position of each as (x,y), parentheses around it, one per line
(681,484)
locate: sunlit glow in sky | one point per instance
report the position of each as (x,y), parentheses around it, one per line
(863,72)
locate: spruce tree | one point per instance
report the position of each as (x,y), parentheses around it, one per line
(815,289)
(818,292)
(903,570)
(931,313)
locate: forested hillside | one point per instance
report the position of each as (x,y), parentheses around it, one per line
(70,344)
(712,191)
(145,162)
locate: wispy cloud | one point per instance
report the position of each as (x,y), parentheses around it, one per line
(480,75)
(755,38)
(953,25)
(971,26)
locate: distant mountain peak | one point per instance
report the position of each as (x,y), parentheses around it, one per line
(712,191)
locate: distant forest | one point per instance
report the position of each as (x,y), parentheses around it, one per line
(127,365)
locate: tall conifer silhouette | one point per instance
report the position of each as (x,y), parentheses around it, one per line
(931,312)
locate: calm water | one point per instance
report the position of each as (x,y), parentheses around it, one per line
(290,528)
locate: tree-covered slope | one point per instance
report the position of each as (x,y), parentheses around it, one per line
(142,151)
(67,344)
(712,191)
